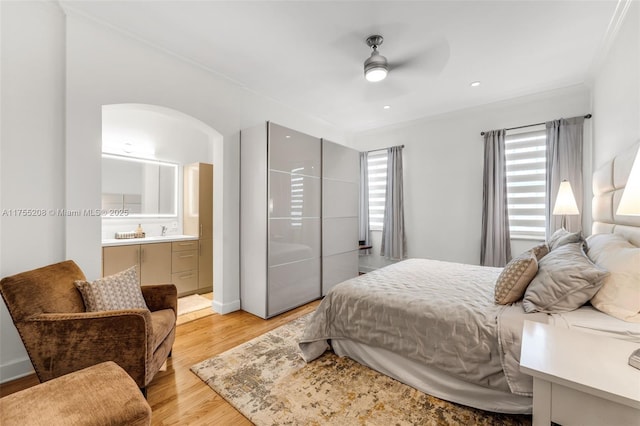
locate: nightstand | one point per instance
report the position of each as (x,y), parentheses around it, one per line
(579,378)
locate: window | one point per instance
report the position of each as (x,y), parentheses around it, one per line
(377,169)
(526,180)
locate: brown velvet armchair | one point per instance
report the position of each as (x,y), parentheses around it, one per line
(60,337)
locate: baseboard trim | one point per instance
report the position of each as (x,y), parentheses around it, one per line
(226,308)
(15,370)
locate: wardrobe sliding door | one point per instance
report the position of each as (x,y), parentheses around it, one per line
(294,212)
(340,189)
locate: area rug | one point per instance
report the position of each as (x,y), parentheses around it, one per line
(192,303)
(269,383)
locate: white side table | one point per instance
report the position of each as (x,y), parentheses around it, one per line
(579,378)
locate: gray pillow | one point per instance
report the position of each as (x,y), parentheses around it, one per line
(566,280)
(562,237)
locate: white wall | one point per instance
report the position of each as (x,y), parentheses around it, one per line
(443,166)
(57,74)
(616,92)
(32,152)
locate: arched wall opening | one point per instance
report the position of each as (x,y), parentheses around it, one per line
(165,134)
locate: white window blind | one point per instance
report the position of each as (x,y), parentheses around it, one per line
(377,168)
(526,177)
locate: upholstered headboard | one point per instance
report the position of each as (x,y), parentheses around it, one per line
(608,183)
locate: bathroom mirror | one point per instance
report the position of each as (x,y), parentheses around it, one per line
(138,187)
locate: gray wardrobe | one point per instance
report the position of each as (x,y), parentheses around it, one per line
(298,218)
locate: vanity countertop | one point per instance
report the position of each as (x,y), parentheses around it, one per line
(147,240)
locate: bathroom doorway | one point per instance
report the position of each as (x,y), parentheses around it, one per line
(136,137)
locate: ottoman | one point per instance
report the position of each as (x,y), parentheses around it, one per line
(103,394)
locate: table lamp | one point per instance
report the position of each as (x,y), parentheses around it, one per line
(630,201)
(565,203)
(630,206)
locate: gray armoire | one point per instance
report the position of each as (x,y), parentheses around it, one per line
(298,223)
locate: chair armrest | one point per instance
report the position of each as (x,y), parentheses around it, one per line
(161,296)
(69,342)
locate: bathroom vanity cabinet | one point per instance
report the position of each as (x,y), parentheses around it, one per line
(157,262)
(184,266)
(153,261)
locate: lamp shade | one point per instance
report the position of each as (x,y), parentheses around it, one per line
(630,201)
(565,201)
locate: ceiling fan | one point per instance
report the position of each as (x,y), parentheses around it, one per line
(376,66)
(427,61)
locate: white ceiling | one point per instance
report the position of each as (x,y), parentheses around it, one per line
(309,54)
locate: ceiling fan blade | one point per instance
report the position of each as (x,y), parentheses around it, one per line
(352,46)
(404,63)
(431,60)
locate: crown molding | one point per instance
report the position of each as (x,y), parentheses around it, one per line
(615,23)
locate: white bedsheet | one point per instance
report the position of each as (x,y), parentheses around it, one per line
(590,320)
(433,381)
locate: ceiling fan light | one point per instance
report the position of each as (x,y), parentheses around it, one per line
(375,67)
(376,74)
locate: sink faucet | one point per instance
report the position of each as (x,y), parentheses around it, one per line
(164,230)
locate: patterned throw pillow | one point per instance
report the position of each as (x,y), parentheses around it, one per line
(515,277)
(115,292)
(540,251)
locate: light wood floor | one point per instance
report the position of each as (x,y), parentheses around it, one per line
(190,316)
(179,397)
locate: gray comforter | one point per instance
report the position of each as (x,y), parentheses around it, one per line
(438,313)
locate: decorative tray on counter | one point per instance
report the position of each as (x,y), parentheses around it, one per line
(129,234)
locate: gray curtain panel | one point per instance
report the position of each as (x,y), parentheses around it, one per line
(564,161)
(496,240)
(363,214)
(394,244)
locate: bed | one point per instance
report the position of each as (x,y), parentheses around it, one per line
(435,326)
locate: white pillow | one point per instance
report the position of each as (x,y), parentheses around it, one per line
(620,293)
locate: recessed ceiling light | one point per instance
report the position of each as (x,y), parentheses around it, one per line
(475,84)
(386,106)
(288,137)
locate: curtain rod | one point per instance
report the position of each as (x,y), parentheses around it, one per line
(384,149)
(531,125)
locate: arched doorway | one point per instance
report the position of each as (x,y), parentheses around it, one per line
(166,135)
